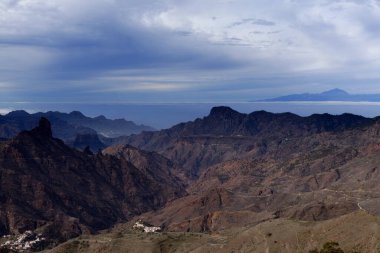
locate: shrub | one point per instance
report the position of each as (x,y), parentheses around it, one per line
(329,247)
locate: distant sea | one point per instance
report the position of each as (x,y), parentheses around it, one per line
(164,115)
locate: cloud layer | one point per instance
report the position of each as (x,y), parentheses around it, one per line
(168,50)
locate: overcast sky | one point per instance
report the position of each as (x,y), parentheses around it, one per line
(186,50)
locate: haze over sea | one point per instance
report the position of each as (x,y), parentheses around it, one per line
(164,115)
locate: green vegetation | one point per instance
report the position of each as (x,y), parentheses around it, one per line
(352,231)
(330,247)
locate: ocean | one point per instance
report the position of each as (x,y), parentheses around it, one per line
(165,115)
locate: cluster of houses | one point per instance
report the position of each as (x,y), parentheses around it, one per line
(23,242)
(139,225)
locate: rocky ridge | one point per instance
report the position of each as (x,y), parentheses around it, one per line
(226,134)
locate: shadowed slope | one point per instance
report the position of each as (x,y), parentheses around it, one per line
(44,183)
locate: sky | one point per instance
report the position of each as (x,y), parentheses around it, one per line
(111,51)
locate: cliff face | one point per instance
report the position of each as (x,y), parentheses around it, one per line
(46,184)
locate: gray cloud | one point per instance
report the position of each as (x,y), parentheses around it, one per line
(253,21)
(138,50)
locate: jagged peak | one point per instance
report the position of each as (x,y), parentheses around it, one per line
(44,128)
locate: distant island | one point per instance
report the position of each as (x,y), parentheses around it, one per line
(330,95)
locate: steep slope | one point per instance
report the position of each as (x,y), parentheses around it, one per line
(226,134)
(46,185)
(315,177)
(151,164)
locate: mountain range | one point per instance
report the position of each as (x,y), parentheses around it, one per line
(253,167)
(330,95)
(226,134)
(73,128)
(257,182)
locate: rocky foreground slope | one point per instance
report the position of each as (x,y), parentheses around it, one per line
(355,232)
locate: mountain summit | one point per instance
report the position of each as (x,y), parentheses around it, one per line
(335,92)
(330,95)
(222,111)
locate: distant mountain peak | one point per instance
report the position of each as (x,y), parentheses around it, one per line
(222,111)
(335,91)
(330,95)
(77,114)
(18,113)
